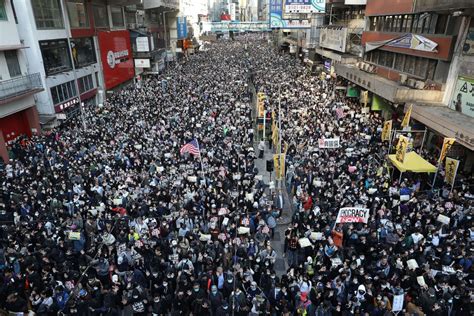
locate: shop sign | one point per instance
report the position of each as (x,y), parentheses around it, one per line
(468,48)
(63,106)
(334,38)
(182,27)
(463,98)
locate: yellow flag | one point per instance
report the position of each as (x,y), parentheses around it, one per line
(401,148)
(276,165)
(447,143)
(281,174)
(406,119)
(387,130)
(451,170)
(275,136)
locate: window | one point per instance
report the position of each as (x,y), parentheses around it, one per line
(399,62)
(63,92)
(100,16)
(55,56)
(407,21)
(382,58)
(431,69)
(3,11)
(389,60)
(421,65)
(441,23)
(83,52)
(12,63)
(117,17)
(409,64)
(85,84)
(372,23)
(387,24)
(77,13)
(47,14)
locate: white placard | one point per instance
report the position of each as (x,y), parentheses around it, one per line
(329,143)
(142,63)
(398,303)
(412,264)
(443,219)
(304,242)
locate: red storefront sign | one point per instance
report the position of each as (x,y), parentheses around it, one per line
(58,108)
(116,56)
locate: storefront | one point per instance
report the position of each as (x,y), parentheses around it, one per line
(116,56)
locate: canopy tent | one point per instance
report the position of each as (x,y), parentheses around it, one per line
(412,163)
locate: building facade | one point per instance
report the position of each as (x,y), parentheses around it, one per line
(419,53)
(18,84)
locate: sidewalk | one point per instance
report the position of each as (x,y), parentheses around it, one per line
(283,221)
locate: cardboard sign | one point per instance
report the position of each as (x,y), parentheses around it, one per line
(353,215)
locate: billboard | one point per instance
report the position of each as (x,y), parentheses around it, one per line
(463,98)
(277,20)
(305,6)
(182,27)
(334,38)
(142,63)
(116,57)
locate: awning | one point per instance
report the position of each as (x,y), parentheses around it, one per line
(413,163)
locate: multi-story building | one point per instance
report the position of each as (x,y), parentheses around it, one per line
(419,53)
(338,39)
(81,49)
(18,83)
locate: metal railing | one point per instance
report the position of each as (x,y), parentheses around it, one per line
(21,85)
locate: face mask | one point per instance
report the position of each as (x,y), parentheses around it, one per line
(214,292)
(196,290)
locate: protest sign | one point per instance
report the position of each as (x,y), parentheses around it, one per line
(443,219)
(353,215)
(397,303)
(329,143)
(304,242)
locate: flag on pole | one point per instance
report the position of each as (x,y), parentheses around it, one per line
(339,113)
(401,148)
(387,130)
(447,143)
(451,170)
(192,147)
(406,119)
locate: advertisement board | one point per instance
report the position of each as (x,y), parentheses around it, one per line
(334,38)
(277,20)
(182,27)
(305,6)
(463,97)
(143,44)
(116,56)
(468,47)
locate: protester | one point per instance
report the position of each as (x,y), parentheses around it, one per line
(114,219)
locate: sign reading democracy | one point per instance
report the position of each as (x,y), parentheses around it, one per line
(353,215)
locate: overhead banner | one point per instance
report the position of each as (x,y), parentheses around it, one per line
(406,119)
(334,38)
(353,215)
(387,130)
(401,148)
(305,6)
(463,98)
(411,41)
(329,143)
(451,170)
(447,144)
(277,20)
(182,27)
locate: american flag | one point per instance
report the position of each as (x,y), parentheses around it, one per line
(192,147)
(339,113)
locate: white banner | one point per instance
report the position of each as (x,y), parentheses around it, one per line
(353,215)
(397,305)
(143,44)
(329,143)
(142,63)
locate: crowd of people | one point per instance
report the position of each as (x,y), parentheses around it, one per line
(111,219)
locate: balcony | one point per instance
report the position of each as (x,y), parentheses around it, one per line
(19,87)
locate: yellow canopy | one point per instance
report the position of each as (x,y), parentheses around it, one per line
(413,163)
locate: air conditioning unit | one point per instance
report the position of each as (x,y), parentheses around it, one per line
(366,67)
(411,83)
(359,65)
(372,69)
(420,84)
(403,79)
